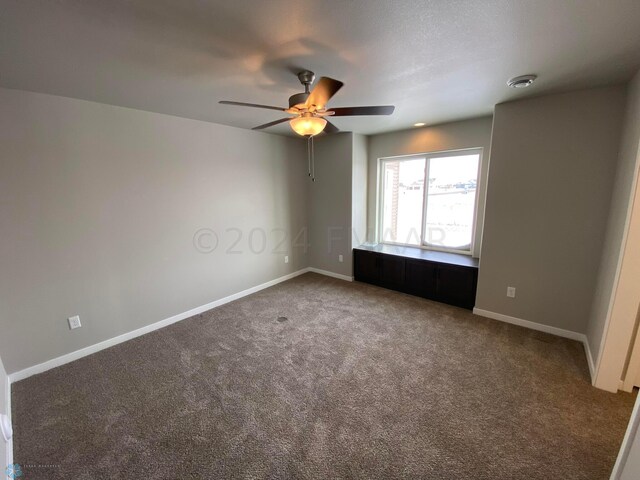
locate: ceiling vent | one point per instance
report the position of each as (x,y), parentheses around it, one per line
(522,81)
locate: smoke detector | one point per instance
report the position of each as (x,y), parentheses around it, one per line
(522,81)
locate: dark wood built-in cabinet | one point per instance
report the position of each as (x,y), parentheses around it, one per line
(444,277)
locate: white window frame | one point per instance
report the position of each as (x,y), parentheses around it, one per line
(427,156)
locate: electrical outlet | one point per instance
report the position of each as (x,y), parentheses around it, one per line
(286,259)
(511,292)
(340,258)
(74,322)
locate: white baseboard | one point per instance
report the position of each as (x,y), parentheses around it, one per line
(83,352)
(532,325)
(592,365)
(330,274)
(580,337)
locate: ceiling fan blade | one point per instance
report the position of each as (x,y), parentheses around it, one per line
(255,105)
(323,91)
(271,124)
(352,111)
(330,128)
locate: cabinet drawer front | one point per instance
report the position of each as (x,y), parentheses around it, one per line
(393,271)
(457,285)
(421,278)
(367,266)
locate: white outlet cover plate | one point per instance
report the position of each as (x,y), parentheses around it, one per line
(74,322)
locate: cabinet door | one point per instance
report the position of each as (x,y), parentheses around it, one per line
(420,278)
(457,285)
(367,266)
(393,272)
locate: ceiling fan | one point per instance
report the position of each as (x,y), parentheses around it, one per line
(310,107)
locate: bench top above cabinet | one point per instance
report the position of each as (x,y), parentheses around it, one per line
(421,254)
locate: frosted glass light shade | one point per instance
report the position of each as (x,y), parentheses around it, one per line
(308,126)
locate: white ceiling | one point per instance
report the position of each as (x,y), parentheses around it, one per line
(435,60)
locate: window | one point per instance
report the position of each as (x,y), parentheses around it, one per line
(430,200)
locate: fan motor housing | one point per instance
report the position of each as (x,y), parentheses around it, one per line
(306,78)
(298,99)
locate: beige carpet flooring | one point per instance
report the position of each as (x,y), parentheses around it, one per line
(358,382)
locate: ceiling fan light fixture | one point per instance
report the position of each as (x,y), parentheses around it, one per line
(308,126)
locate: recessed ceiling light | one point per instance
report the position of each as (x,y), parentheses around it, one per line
(419,124)
(522,81)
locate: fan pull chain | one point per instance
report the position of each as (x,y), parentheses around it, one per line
(313,162)
(309,153)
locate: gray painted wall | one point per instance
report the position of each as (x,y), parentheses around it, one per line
(330,204)
(449,136)
(553,162)
(98,210)
(620,205)
(99,206)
